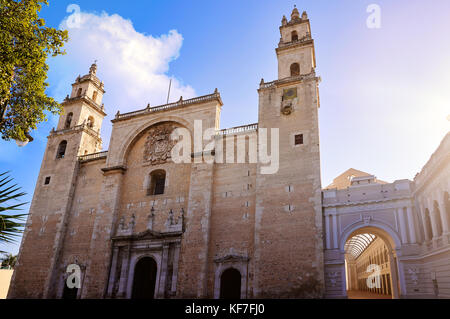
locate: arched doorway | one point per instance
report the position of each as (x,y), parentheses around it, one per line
(144,279)
(230,284)
(371,265)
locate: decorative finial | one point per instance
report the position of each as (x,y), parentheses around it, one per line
(216,91)
(93,68)
(295,15)
(284,20)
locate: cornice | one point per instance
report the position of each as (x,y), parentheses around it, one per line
(88,100)
(114,169)
(171,106)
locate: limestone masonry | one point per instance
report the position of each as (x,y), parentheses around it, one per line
(140,225)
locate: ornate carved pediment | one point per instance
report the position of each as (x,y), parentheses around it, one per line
(231,258)
(158,145)
(148,234)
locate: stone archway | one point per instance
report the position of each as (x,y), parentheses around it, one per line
(230,284)
(371,266)
(144,281)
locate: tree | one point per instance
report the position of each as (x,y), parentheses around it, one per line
(10,225)
(9,261)
(25,43)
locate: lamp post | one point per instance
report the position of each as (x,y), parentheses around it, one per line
(28,139)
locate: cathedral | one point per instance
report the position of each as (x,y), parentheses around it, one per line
(228,220)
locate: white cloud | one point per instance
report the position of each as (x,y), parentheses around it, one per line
(132,65)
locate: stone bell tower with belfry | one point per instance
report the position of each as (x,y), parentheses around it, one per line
(288,215)
(77,134)
(295,52)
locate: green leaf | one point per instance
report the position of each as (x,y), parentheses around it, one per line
(11,225)
(25,45)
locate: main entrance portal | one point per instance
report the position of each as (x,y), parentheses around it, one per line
(144,279)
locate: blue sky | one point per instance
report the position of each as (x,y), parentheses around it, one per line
(384,92)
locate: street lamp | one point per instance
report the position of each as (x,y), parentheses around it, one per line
(28,139)
(22,143)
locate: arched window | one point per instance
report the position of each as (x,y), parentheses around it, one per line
(79,92)
(68,120)
(90,122)
(295,69)
(94,96)
(157,182)
(230,284)
(294,36)
(437,215)
(61,149)
(428,228)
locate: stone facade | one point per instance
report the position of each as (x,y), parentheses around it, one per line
(225,206)
(108,211)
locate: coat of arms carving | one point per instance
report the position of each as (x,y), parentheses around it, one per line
(158,145)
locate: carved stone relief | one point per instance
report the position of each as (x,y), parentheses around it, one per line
(158,145)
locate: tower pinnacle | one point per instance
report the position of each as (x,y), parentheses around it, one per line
(295,14)
(93,68)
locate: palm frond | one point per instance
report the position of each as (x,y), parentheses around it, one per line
(11,225)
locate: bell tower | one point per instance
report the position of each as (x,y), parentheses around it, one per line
(77,133)
(288,215)
(295,52)
(84,108)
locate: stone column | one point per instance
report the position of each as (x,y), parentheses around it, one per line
(434,226)
(412,226)
(176,258)
(335,231)
(401,217)
(424,223)
(394,277)
(112,275)
(122,293)
(327,231)
(163,272)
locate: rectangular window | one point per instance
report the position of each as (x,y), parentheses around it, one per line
(47,180)
(298,139)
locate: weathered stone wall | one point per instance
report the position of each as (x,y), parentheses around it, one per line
(46,221)
(288,221)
